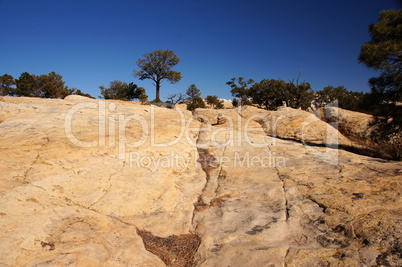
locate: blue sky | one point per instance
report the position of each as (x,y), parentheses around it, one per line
(92,43)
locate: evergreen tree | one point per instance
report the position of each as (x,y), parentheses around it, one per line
(27,85)
(157,66)
(7,84)
(383,53)
(123,91)
(240,90)
(214,102)
(194,98)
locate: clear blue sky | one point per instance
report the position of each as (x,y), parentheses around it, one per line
(92,43)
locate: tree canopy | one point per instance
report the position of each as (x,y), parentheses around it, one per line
(299,95)
(52,86)
(6,84)
(193,92)
(383,53)
(214,102)
(271,93)
(241,90)
(46,86)
(345,99)
(123,91)
(268,93)
(26,85)
(194,98)
(157,66)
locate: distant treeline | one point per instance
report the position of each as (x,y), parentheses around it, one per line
(268,93)
(45,85)
(273,93)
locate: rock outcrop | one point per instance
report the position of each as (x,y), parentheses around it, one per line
(354,125)
(359,127)
(118,183)
(78,98)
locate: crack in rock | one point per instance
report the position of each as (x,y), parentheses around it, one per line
(110,186)
(73,203)
(282,178)
(179,250)
(207,164)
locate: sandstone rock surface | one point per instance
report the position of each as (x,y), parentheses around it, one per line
(352,124)
(358,127)
(78,98)
(89,183)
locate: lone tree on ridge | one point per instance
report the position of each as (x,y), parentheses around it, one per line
(157,66)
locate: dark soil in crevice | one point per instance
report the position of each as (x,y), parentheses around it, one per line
(175,250)
(208,163)
(179,250)
(200,205)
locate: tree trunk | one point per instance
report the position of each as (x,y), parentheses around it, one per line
(157,91)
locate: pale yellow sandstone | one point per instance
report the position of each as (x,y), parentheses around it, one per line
(75,196)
